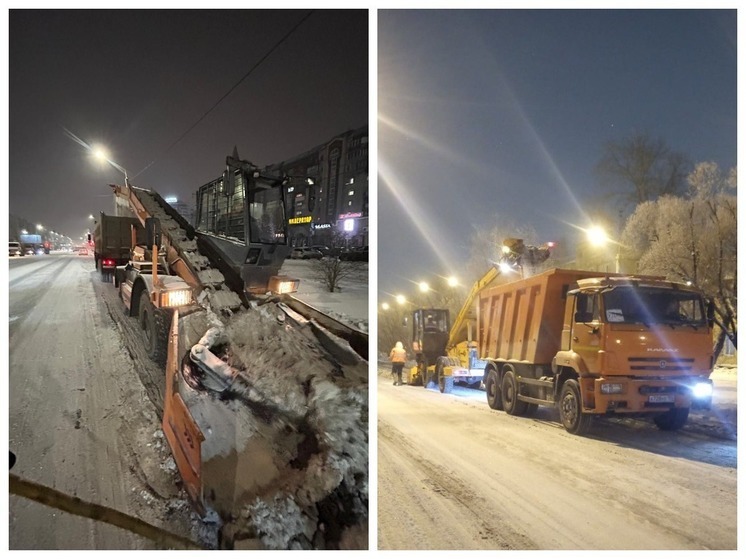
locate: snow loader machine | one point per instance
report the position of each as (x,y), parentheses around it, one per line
(447,354)
(248,366)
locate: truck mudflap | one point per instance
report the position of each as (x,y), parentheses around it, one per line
(639,395)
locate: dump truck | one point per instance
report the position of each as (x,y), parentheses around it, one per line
(595,344)
(265,407)
(112,242)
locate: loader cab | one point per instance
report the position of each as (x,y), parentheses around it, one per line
(430,329)
(241,215)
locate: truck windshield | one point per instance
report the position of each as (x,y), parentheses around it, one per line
(653,305)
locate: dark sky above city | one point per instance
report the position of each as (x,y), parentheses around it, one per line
(488,115)
(135,81)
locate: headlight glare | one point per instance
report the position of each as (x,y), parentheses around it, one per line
(702,390)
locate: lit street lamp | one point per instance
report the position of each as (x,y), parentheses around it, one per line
(424,287)
(401,299)
(597,237)
(452,281)
(102,155)
(385,306)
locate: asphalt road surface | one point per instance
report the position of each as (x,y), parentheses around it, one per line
(454,474)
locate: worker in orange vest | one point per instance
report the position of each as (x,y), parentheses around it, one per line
(398,356)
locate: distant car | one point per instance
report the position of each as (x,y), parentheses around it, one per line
(323,249)
(355,254)
(83,252)
(305,253)
(15,249)
(29,251)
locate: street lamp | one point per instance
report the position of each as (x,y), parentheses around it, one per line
(401,299)
(424,287)
(39,227)
(385,306)
(102,155)
(597,237)
(452,281)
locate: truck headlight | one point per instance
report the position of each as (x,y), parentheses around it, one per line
(702,390)
(176,298)
(283,284)
(612,388)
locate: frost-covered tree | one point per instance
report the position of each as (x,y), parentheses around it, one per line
(693,238)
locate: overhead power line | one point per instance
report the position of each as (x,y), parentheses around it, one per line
(239,82)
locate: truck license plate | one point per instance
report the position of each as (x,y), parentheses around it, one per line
(661,398)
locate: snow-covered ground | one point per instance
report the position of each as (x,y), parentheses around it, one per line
(349,304)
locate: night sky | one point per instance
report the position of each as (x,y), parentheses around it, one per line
(136,81)
(505,113)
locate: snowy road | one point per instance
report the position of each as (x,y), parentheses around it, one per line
(79,419)
(454,474)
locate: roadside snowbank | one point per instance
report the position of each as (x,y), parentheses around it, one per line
(348,305)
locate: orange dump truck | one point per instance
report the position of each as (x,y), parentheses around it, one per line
(594,344)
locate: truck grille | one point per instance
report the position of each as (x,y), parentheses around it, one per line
(660,364)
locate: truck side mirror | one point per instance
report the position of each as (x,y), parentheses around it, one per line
(152,231)
(711,313)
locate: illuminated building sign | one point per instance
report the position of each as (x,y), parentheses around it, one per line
(323,226)
(299,220)
(350,215)
(171,199)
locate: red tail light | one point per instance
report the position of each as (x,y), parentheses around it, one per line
(108,262)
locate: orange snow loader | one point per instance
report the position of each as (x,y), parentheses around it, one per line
(188,286)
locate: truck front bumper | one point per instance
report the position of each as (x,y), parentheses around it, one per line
(636,395)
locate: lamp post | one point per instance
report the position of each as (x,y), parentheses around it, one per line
(102,155)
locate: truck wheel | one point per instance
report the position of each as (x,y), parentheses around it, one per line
(492,387)
(511,404)
(571,409)
(155,324)
(673,420)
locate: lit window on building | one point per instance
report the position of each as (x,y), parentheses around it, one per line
(351,193)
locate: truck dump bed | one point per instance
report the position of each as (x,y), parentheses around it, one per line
(112,236)
(522,320)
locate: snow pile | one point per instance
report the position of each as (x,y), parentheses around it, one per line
(287,444)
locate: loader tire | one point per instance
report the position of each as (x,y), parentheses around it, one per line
(673,420)
(492,387)
(155,324)
(571,409)
(509,388)
(445,384)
